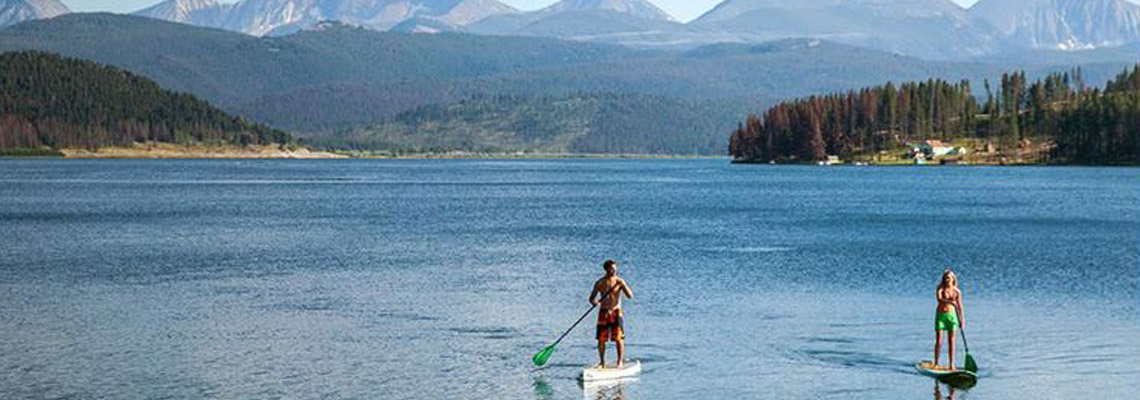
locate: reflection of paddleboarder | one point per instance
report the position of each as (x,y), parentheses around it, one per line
(948,314)
(608,291)
(938,392)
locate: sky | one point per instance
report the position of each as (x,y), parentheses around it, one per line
(683,10)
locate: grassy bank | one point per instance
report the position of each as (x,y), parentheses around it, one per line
(167,150)
(33,152)
(510,156)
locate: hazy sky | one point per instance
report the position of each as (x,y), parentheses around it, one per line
(684,10)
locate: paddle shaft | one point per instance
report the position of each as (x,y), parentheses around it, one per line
(964,341)
(556,342)
(962,330)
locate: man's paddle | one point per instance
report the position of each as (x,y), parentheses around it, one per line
(541,357)
(971,365)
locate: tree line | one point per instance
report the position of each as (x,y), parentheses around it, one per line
(50,101)
(1084,124)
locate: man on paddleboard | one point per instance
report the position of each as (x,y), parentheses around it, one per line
(607,295)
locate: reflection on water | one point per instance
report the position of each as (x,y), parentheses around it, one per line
(606,390)
(952,387)
(542,389)
(951,393)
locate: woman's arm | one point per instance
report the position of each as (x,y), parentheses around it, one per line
(961,311)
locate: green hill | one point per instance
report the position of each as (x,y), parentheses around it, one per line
(240,72)
(48,100)
(599,123)
(229,68)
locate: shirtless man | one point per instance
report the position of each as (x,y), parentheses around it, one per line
(949,316)
(607,293)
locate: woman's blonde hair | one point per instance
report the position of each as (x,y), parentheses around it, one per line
(949,279)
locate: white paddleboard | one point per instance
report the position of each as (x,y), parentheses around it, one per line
(611,372)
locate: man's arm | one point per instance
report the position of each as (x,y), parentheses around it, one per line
(625,289)
(594,293)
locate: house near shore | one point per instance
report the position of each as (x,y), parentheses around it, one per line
(831,160)
(934,149)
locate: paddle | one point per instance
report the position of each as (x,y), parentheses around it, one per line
(971,365)
(542,356)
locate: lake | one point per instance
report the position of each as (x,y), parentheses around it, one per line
(421,279)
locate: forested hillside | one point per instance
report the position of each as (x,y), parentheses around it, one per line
(231,68)
(1068,120)
(319,80)
(339,79)
(48,100)
(579,123)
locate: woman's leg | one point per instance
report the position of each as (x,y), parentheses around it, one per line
(950,347)
(937,345)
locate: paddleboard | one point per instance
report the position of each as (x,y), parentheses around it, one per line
(611,372)
(944,373)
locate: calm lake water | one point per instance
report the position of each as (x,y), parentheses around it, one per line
(439,279)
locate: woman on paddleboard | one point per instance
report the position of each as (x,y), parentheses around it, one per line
(949,315)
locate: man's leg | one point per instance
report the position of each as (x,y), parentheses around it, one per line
(620,351)
(601,351)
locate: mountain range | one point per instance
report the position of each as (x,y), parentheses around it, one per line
(353,85)
(1062,24)
(930,29)
(280,17)
(924,28)
(340,76)
(15,11)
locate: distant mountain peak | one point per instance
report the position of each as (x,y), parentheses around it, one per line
(638,8)
(16,11)
(185,11)
(1063,24)
(466,12)
(932,29)
(275,17)
(915,8)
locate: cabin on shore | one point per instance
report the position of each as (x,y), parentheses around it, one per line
(934,150)
(831,160)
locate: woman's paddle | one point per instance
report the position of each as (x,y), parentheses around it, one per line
(971,365)
(541,357)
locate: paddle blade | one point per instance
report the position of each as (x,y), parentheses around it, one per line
(541,357)
(971,365)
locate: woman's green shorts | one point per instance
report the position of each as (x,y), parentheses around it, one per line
(946,322)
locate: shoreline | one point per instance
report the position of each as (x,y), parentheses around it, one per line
(962,165)
(172,151)
(141,151)
(522,156)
